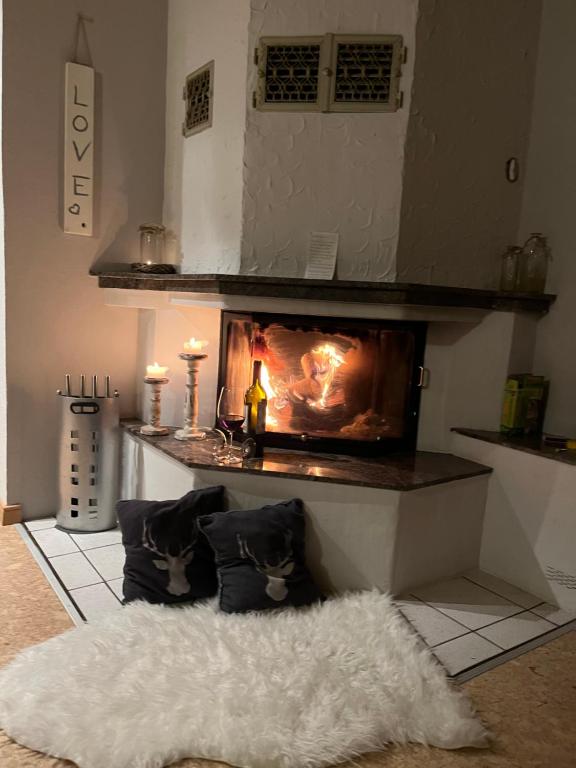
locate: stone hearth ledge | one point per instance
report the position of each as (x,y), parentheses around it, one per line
(393,472)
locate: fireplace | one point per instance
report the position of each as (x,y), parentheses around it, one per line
(333,385)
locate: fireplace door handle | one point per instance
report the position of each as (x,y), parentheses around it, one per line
(424,377)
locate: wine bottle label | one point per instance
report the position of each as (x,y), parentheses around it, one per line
(261,417)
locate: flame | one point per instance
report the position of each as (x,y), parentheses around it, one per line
(331,352)
(319,365)
(332,361)
(265,381)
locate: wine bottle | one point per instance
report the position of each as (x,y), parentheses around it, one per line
(255,403)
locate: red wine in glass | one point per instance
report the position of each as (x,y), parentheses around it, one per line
(232,421)
(229,412)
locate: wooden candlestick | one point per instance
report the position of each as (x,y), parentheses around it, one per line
(190,429)
(154,427)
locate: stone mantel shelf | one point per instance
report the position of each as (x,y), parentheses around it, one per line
(399,472)
(407,294)
(530,444)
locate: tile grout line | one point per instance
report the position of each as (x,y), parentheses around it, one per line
(46,555)
(93,566)
(83,552)
(103,546)
(68,590)
(468,629)
(477,632)
(493,660)
(504,651)
(111,590)
(96,584)
(52,577)
(509,599)
(484,626)
(512,653)
(459,622)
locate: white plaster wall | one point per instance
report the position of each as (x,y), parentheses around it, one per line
(529,524)
(307,172)
(550,202)
(203,173)
(439,532)
(470,112)
(468,364)
(56,317)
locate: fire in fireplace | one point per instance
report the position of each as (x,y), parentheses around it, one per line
(339,385)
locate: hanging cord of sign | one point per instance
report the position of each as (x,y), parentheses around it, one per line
(82,38)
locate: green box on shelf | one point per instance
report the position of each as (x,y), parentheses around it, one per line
(524,402)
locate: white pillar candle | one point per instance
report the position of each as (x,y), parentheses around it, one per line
(156,371)
(194,346)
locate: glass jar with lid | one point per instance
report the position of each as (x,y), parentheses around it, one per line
(534,264)
(152,244)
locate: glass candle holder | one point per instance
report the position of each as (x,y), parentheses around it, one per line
(152,243)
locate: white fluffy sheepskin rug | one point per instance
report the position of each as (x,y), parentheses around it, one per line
(149,685)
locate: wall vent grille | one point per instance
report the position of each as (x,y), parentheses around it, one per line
(363,72)
(333,73)
(198,98)
(292,73)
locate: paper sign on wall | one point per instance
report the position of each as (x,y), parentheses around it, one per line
(79,150)
(322,252)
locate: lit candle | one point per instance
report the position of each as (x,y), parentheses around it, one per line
(156,371)
(194,346)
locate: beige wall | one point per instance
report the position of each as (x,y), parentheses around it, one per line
(470,112)
(56,318)
(2,316)
(550,204)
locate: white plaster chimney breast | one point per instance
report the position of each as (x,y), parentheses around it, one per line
(325,172)
(418,194)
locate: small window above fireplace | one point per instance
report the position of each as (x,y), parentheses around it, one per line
(339,385)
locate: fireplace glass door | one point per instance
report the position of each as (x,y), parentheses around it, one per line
(332,384)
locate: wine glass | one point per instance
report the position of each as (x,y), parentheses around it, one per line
(230,413)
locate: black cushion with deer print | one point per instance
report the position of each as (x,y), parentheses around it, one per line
(167,559)
(260,557)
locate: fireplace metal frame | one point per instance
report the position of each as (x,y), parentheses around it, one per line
(351,447)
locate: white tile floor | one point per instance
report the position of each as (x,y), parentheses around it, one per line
(471,623)
(476,621)
(88,565)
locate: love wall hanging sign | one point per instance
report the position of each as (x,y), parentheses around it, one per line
(79,150)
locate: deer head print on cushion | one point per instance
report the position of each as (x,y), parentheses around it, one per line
(176,563)
(260,557)
(167,560)
(275,572)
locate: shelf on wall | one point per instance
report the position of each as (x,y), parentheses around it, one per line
(348,291)
(526,444)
